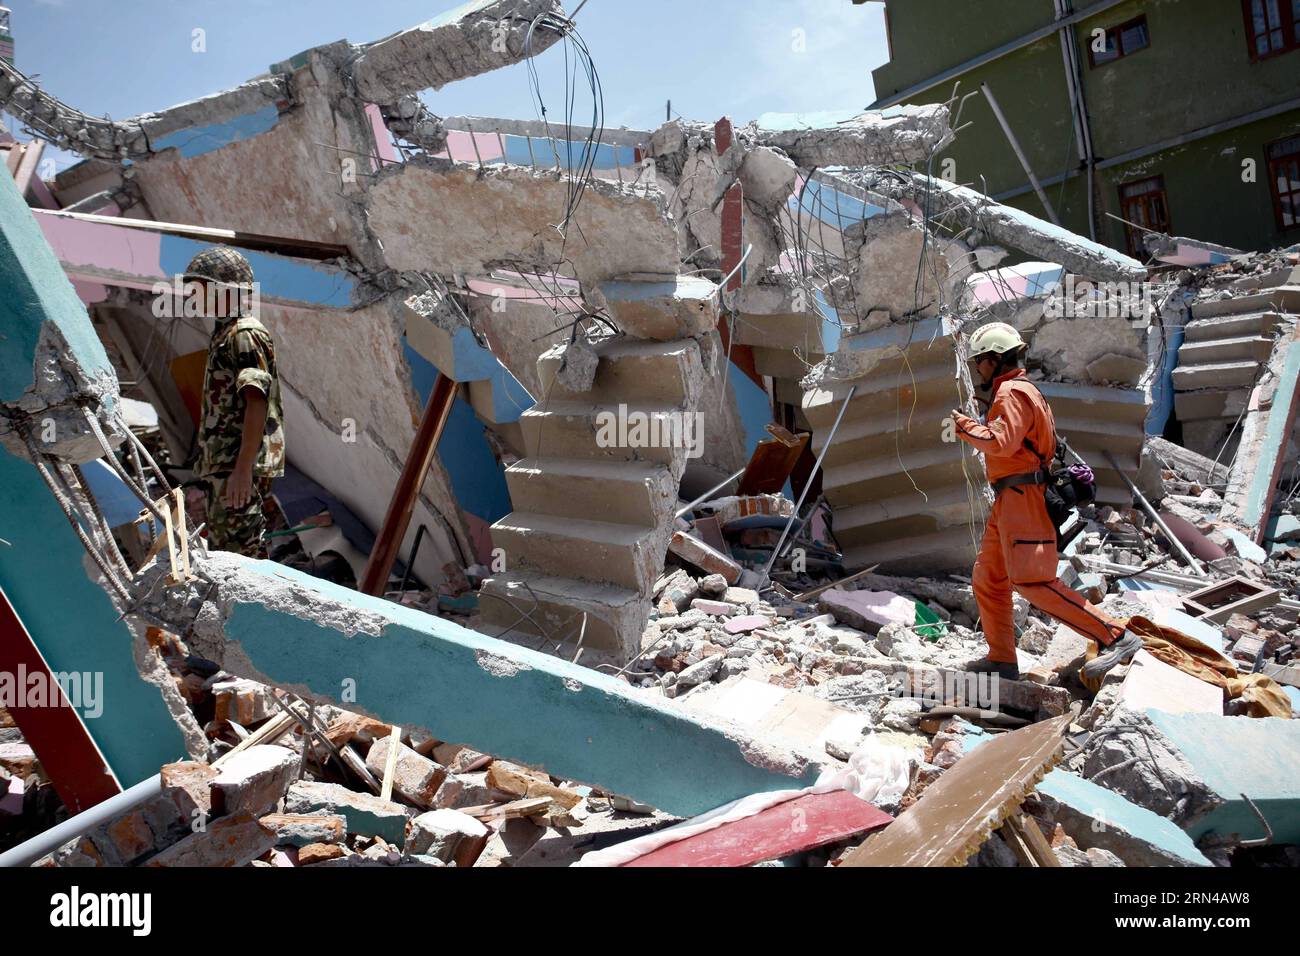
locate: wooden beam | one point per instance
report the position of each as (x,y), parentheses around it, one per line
(298,248)
(402,505)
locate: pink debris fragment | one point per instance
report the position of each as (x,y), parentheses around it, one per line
(745,624)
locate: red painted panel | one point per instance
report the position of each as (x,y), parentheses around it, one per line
(65,749)
(804,823)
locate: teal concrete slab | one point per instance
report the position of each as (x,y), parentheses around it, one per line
(416,670)
(1146,835)
(1257,756)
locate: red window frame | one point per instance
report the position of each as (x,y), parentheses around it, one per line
(1152,201)
(1283,35)
(1117,33)
(1288,163)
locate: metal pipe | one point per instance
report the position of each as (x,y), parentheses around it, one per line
(402,505)
(1154,516)
(811,475)
(1020,153)
(709,494)
(24,854)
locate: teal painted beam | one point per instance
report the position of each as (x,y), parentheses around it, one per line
(1257,756)
(1095,816)
(286,628)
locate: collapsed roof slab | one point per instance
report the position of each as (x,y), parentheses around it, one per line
(474,38)
(899,134)
(1013,227)
(468,221)
(284,628)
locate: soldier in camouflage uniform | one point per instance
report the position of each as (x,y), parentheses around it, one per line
(241,429)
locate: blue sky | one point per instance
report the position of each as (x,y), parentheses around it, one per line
(710,57)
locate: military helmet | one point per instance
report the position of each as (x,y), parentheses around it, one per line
(220,264)
(996,337)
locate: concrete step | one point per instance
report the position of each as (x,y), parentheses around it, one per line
(1281,299)
(599,551)
(630,372)
(1211,404)
(1256,348)
(907,428)
(1231,326)
(615,616)
(574,429)
(858,481)
(949,549)
(627,492)
(663,308)
(950,505)
(1218,375)
(783,363)
(887,399)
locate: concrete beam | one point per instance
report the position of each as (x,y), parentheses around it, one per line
(279,626)
(899,134)
(474,38)
(1013,227)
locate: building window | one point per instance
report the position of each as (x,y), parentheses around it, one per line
(1284,179)
(1272,26)
(1146,209)
(1123,40)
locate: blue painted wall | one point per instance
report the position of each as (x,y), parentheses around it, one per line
(294,279)
(477,478)
(198,140)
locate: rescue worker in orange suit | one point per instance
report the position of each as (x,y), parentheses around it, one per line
(1019,547)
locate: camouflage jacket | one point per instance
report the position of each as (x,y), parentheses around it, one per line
(241,354)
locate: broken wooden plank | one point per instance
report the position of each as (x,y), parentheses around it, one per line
(956,813)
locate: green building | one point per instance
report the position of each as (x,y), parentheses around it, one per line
(1182,116)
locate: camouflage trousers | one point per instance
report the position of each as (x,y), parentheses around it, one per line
(241,530)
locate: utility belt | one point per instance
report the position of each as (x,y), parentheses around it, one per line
(1040,477)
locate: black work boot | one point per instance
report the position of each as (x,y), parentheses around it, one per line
(1120,652)
(1003,669)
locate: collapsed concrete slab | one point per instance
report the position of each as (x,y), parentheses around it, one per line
(1007,226)
(471,39)
(54,374)
(1195,768)
(1094,816)
(899,134)
(275,625)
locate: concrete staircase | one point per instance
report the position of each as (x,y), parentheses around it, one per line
(1219,363)
(594,507)
(904,498)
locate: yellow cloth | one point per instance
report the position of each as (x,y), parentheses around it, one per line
(1263,696)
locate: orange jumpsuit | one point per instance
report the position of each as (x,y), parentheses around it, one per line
(1019,546)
